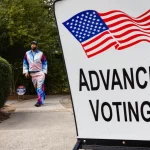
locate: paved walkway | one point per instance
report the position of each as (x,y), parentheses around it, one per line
(50,127)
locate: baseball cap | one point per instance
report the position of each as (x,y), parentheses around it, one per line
(34,42)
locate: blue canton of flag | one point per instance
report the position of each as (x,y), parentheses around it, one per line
(86,25)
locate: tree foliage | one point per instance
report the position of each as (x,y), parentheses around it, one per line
(22,21)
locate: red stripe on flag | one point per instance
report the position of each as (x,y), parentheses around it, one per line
(127,20)
(131,38)
(98,45)
(130,31)
(102,50)
(144,14)
(110,12)
(118,11)
(95,39)
(123,15)
(126,27)
(131,44)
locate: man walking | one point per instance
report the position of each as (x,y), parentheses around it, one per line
(35,65)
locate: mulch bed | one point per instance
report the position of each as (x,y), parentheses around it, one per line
(5,112)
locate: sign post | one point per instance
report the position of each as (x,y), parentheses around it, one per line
(106,47)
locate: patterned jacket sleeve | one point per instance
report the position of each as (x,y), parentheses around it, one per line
(44,64)
(25,65)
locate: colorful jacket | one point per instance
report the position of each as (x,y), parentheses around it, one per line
(32,63)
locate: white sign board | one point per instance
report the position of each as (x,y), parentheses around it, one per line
(106,46)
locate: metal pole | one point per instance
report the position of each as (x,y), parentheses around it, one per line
(77,146)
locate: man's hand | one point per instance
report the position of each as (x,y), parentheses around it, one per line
(27,75)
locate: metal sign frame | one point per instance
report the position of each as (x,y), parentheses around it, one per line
(101,144)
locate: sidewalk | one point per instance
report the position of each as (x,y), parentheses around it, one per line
(50,127)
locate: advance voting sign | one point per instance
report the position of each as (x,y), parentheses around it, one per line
(106,46)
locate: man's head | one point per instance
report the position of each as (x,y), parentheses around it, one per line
(34,45)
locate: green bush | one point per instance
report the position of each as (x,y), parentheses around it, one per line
(5,80)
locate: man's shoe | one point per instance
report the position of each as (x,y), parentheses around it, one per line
(38,105)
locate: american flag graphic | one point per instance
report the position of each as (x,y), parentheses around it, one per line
(98,32)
